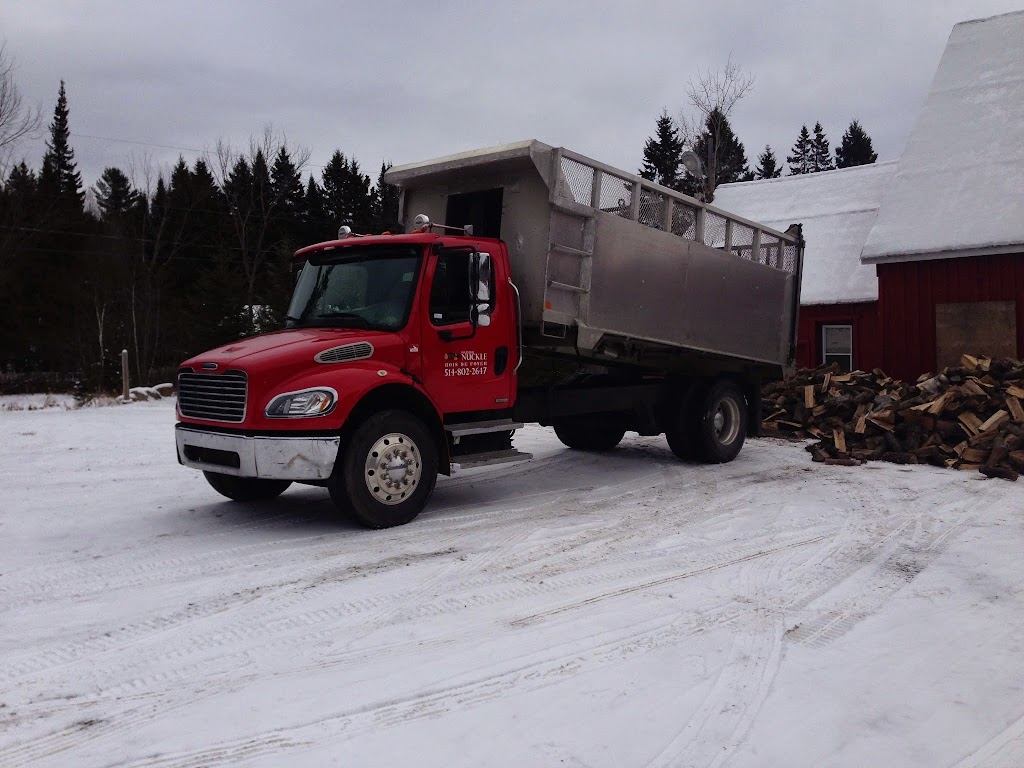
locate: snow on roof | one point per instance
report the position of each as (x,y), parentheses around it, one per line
(959,189)
(836,208)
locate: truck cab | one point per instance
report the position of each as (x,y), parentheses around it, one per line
(386,339)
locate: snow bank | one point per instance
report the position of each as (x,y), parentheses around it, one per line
(36,402)
(960,183)
(837,210)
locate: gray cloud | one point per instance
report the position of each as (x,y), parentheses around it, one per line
(404,81)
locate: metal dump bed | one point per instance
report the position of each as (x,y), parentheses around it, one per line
(615,263)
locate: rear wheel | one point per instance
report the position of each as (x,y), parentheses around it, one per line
(387,472)
(681,431)
(590,433)
(710,424)
(246,488)
(722,422)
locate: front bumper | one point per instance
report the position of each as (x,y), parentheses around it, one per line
(275,458)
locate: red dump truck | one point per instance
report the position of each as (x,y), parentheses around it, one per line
(532,284)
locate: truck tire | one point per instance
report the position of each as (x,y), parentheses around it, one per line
(387,472)
(721,424)
(590,433)
(246,488)
(681,432)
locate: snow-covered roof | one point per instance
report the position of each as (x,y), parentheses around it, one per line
(836,208)
(959,190)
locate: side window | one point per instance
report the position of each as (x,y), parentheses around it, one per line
(450,299)
(837,346)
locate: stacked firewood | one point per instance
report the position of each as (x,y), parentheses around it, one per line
(968,417)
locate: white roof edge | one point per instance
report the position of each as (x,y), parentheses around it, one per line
(987,18)
(841,302)
(818,174)
(951,253)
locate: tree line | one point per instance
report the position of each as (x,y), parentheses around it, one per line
(163,264)
(707,132)
(168,263)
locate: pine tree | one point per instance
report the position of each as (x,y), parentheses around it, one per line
(286,186)
(820,153)
(802,159)
(724,158)
(385,204)
(767,165)
(318,224)
(115,195)
(855,148)
(663,154)
(347,194)
(59,178)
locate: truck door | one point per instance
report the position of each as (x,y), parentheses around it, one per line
(466,367)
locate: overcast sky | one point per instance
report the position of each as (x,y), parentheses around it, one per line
(405,81)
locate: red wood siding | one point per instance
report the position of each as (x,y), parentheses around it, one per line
(863,317)
(909,291)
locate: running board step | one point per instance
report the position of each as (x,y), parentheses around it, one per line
(482,427)
(487,458)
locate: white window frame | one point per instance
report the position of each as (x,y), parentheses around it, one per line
(824,345)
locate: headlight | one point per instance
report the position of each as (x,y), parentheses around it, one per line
(318,401)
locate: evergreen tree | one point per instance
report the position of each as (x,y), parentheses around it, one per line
(767,165)
(855,148)
(663,154)
(286,187)
(59,178)
(724,158)
(820,153)
(318,224)
(347,194)
(802,159)
(115,195)
(385,204)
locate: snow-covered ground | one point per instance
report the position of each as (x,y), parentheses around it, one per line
(577,610)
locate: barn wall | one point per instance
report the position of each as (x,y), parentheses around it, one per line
(909,291)
(867,353)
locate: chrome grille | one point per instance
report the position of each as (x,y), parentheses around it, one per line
(212,396)
(360,350)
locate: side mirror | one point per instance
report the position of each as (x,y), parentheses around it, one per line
(480,276)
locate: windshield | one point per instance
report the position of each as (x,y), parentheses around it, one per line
(367,287)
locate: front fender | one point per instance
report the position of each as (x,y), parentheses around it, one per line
(352,381)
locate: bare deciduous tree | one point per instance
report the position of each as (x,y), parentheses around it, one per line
(18,120)
(712,95)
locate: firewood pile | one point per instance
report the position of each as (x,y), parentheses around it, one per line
(968,417)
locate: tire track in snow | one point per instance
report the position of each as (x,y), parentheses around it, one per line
(728,712)
(444,698)
(520,675)
(1005,750)
(896,558)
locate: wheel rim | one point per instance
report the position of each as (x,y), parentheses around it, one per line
(726,421)
(393,468)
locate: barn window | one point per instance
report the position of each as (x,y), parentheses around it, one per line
(837,346)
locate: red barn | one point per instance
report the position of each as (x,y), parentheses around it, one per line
(948,241)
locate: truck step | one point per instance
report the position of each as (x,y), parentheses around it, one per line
(482,427)
(487,458)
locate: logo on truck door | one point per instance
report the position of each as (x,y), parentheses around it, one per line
(465,363)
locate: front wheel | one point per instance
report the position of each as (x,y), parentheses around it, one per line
(246,488)
(387,471)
